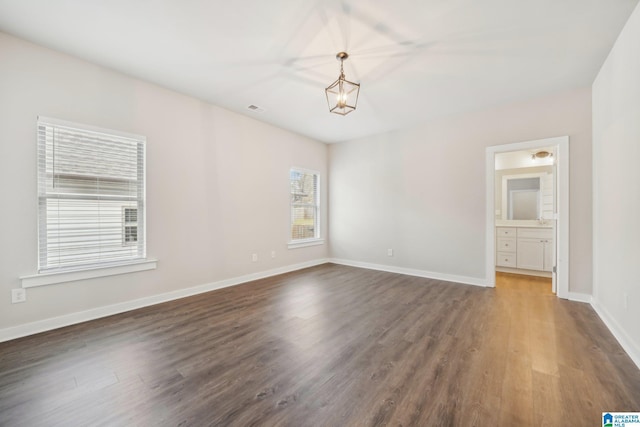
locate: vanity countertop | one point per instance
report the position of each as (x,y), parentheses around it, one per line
(523,224)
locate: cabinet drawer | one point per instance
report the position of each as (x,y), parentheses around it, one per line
(506,244)
(504,259)
(535,233)
(505,232)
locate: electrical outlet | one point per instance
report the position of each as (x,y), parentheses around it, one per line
(273,254)
(389,252)
(254,257)
(18,295)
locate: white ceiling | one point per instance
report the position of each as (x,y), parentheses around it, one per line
(416,60)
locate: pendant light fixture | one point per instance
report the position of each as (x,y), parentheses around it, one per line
(342,95)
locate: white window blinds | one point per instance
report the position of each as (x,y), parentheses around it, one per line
(91,193)
(304,205)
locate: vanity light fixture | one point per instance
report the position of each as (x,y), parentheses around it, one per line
(342,95)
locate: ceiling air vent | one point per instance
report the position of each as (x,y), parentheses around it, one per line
(255,108)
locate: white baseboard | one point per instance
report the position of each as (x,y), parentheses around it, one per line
(579,297)
(19,331)
(412,272)
(618,332)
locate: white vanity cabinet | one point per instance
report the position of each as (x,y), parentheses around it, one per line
(525,248)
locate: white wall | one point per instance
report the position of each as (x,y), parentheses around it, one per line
(217,182)
(421,191)
(616,189)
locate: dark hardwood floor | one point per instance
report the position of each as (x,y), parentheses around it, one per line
(327,346)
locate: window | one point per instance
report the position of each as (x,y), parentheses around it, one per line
(91,197)
(304,205)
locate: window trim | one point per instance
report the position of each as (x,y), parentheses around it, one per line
(53,277)
(303,243)
(314,241)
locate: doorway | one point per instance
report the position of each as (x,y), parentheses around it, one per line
(559,215)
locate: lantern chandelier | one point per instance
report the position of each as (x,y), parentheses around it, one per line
(342,95)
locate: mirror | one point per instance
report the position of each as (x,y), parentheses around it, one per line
(521,197)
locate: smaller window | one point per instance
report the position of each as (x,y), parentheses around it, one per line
(130,225)
(305,201)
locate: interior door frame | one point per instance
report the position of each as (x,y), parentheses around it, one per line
(561,215)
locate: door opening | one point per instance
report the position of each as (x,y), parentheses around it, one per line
(527,211)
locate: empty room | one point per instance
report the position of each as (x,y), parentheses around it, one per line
(319,213)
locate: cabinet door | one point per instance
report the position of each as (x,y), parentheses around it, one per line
(548,255)
(530,254)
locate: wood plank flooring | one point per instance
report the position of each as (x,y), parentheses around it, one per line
(328,346)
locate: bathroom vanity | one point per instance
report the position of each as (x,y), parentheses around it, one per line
(525,249)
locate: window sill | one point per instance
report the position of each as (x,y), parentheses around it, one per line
(50,278)
(304,243)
